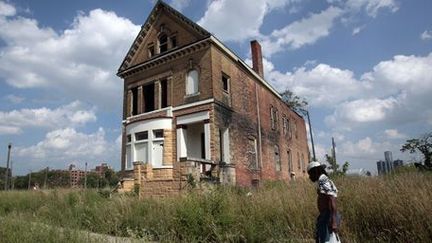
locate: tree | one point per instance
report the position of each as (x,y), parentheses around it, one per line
(334,166)
(423,145)
(293,101)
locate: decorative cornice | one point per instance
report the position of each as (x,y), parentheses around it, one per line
(165,57)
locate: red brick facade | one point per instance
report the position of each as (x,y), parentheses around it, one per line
(234,128)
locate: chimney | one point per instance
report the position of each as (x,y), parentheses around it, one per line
(257,64)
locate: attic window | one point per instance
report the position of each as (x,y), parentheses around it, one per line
(173,41)
(163,43)
(151,50)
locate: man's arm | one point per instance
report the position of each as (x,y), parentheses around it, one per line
(333,211)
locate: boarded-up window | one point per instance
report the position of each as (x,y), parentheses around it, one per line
(251,153)
(141,152)
(128,158)
(192,82)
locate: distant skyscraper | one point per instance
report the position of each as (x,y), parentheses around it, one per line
(381,167)
(389,160)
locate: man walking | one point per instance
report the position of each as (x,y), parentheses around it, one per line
(328,219)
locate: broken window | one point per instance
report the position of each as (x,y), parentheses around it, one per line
(273,117)
(290,164)
(298,161)
(141,136)
(173,41)
(284,125)
(135,101)
(158,133)
(192,82)
(151,51)
(164,93)
(225,82)
(277,158)
(163,43)
(148,93)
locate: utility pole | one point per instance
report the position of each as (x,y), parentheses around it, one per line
(85,176)
(310,132)
(11,174)
(29,181)
(333,149)
(7,168)
(46,177)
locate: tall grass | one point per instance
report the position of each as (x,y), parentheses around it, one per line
(395,208)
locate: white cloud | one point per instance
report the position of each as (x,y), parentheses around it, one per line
(9,129)
(372,7)
(7,9)
(357,30)
(80,62)
(238,20)
(322,85)
(394,134)
(401,85)
(180,4)
(426,35)
(14,98)
(302,32)
(71,115)
(66,145)
(362,111)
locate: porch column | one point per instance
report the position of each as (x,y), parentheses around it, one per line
(140,100)
(181,141)
(157,96)
(207,139)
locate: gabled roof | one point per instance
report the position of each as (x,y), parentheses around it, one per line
(146,26)
(126,69)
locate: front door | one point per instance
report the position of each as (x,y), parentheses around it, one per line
(157,153)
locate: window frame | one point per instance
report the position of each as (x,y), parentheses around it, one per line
(228,81)
(196,86)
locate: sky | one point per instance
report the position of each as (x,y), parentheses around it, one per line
(364,66)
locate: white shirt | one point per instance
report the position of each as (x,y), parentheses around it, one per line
(326,186)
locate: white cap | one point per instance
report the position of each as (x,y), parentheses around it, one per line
(313,164)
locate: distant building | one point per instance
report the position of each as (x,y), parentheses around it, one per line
(381,167)
(100,169)
(389,160)
(397,163)
(75,175)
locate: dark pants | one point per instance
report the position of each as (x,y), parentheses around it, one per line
(322,233)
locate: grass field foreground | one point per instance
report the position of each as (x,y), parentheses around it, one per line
(393,208)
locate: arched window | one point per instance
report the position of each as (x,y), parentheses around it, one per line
(192,82)
(163,43)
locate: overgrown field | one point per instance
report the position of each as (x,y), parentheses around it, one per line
(394,208)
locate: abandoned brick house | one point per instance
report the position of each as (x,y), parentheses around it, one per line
(193,109)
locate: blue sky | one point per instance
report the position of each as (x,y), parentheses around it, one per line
(365,66)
